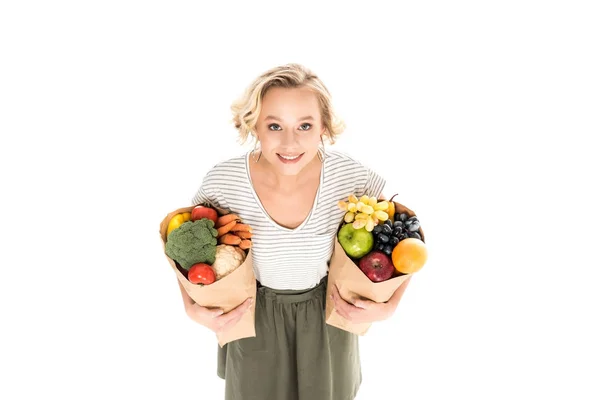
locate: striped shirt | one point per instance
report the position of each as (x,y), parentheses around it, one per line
(286,258)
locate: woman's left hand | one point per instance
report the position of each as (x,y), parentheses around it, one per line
(362,310)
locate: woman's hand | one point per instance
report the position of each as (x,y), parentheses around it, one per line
(361,311)
(364,310)
(214,319)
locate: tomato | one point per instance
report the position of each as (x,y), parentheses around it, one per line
(200,212)
(201,273)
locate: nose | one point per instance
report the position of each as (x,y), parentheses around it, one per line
(288,138)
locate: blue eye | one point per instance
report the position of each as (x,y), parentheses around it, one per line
(276,127)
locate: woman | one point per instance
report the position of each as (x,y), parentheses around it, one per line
(287,188)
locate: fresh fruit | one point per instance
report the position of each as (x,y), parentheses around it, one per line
(355,242)
(401,226)
(201,273)
(409,255)
(366,212)
(377,266)
(200,212)
(391,210)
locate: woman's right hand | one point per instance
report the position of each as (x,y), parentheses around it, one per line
(214,319)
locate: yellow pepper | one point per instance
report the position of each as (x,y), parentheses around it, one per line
(177,220)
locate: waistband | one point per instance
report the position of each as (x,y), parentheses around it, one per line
(292,296)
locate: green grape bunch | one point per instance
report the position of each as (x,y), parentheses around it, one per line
(365,212)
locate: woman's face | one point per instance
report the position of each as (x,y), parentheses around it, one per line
(289,128)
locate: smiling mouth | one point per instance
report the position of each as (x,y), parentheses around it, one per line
(289,158)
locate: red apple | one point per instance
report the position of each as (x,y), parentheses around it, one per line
(200,212)
(377,266)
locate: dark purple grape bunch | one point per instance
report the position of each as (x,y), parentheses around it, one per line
(390,233)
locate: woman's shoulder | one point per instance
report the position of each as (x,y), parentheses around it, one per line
(358,175)
(219,181)
(227,167)
(342,160)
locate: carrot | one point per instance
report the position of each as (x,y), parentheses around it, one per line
(245,244)
(229,238)
(225,219)
(225,228)
(242,227)
(244,234)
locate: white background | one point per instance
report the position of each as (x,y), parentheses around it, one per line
(480,115)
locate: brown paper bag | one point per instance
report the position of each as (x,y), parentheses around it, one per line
(353,284)
(226,293)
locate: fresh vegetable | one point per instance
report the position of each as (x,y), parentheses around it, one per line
(245,244)
(225,228)
(201,211)
(201,273)
(228,258)
(177,220)
(231,231)
(229,238)
(243,234)
(193,242)
(241,227)
(225,219)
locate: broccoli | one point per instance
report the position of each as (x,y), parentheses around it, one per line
(193,242)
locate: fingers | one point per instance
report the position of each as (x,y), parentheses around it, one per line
(364,304)
(229,324)
(207,312)
(229,319)
(342,307)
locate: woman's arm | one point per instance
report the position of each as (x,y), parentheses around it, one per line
(188,302)
(213,318)
(367,310)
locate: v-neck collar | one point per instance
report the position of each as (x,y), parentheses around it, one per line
(264,211)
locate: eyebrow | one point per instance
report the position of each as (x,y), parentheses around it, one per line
(277,119)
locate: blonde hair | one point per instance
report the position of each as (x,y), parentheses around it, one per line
(247,108)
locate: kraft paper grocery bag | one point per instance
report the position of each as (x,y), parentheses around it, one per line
(226,293)
(353,284)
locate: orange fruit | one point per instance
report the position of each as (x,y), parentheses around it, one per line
(409,255)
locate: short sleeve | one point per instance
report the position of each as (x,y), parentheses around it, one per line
(202,197)
(374,184)
(209,191)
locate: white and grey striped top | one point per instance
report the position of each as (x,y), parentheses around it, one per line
(287,258)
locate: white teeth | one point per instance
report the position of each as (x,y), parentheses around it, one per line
(289,158)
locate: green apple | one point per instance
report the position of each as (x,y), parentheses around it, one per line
(355,242)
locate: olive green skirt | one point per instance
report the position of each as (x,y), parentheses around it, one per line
(295,354)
